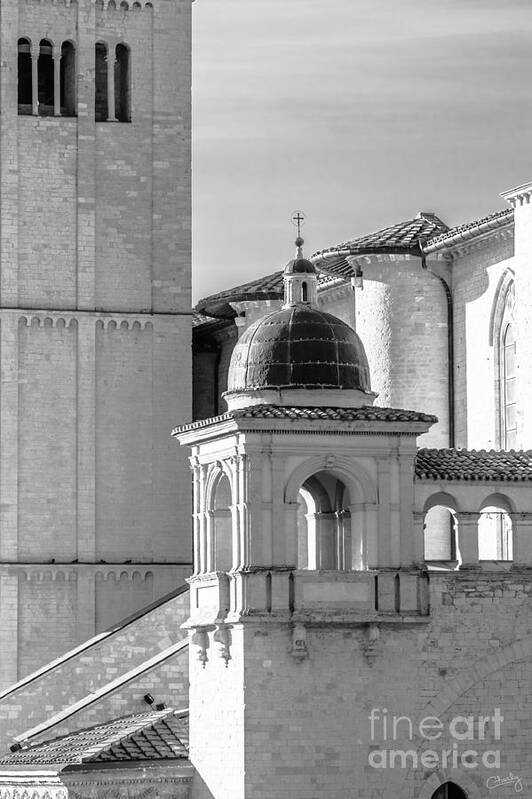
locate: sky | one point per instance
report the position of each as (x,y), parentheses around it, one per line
(358,112)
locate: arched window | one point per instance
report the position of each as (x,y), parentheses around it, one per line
(449,790)
(24,77)
(508,392)
(324,524)
(45,79)
(122,108)
(440,533)
(222,526)
(503,339)
(304,292)
(68,80)
(100,89)
(495,537)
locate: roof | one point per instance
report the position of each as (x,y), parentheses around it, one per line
(369,413)
(470,464)
(402,238)
(460,233)
(155,735)
(299,347)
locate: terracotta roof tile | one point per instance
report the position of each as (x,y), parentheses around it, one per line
(470,464)
(156,735)
(400,238)
(368,413)
(470,229)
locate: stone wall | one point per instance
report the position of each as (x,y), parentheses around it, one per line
(99,660)
(302,727)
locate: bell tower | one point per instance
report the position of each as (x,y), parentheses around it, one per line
(305,547)
(94,315)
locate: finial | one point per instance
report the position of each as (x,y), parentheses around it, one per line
(298,219)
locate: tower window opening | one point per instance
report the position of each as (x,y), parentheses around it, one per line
(100,93)
(45,79)
(24,77)
(122,92)
(304,292)
(68,80)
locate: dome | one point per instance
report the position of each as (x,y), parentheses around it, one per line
(300,266)
(299,347)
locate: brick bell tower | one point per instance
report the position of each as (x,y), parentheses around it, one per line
(305,546)
(94,316)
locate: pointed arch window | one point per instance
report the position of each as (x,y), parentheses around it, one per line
(449,790)
(508,381)
(503,338)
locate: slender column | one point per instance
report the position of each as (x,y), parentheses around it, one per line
(358,543)
(419,537)
(110,59)
(56,55)
(86,604)
(468,539)
(86,441)
(34,79)
(9,429)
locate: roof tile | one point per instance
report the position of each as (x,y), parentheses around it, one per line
(470,464)
(156,735)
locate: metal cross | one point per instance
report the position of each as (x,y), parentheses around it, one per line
(298,219)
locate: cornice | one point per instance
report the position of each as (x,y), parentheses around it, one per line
(521,195)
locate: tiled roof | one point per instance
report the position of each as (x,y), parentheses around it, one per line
(364,414)
(470,464)
(469,229)
(155,735)
(401,238)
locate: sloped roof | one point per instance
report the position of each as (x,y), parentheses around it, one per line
(470,230)
(470,464)
(403,237)
(369,413)
(155,735)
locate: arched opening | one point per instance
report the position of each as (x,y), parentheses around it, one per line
(449,790)
(495,536)
(222,525)
(24,77)
(68,79)
(304,292)
(508,386)
(100,91)
(122,98)
(324,523)
(45,79)
(441,535)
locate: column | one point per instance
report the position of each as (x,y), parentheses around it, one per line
(358,538)
(56,55)
(111,60)
(9,422)
(522,538)
(468,539)
(34,79)
(86,441)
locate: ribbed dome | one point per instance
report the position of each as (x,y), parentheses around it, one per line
(299,347)
(300,266)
